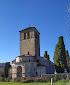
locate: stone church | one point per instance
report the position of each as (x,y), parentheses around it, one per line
(30,63)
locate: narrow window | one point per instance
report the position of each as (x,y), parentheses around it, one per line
(29,60)
(24,35)
(28,53)
(36,73)
(28,35)
(32,34)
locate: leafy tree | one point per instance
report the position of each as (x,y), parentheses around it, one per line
(60,56)
(46,55)
(6,68)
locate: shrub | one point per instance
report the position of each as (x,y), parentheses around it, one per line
(17,79)
(3,79)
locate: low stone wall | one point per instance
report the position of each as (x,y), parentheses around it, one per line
(57,77)
(30,79)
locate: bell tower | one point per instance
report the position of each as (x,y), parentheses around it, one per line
(29,42)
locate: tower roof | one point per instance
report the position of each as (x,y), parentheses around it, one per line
(29,28)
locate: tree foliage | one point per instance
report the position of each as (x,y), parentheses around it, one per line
(60,56)
(67,53)
(46,55)
(6,68)
(68,61)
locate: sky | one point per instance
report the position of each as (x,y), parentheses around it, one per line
(46,15)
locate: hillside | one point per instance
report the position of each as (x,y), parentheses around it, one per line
(2,68)
(2,65)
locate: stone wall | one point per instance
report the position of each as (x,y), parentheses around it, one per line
(37,47)
(50,66)
(30,62)
(27,46)
(29,69)
(41,70)
(31,44)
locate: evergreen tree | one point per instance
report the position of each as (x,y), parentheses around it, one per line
(46,55)
(6,68)
(67,54)
(68,61)
(60,56)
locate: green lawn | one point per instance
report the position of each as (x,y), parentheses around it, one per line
(18,83)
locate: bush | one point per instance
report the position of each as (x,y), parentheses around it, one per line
(7,79)
(3,79)
(17,79)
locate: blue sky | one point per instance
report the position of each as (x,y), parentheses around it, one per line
(46,15)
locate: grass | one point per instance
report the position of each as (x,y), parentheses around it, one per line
(18,83)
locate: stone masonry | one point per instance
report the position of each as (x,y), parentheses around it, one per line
(30,63)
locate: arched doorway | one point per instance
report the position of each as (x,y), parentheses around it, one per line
(19,71)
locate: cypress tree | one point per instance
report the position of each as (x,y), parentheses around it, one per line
(46,55)
(6,68)
(67,60)
(60,56)
(67,53)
